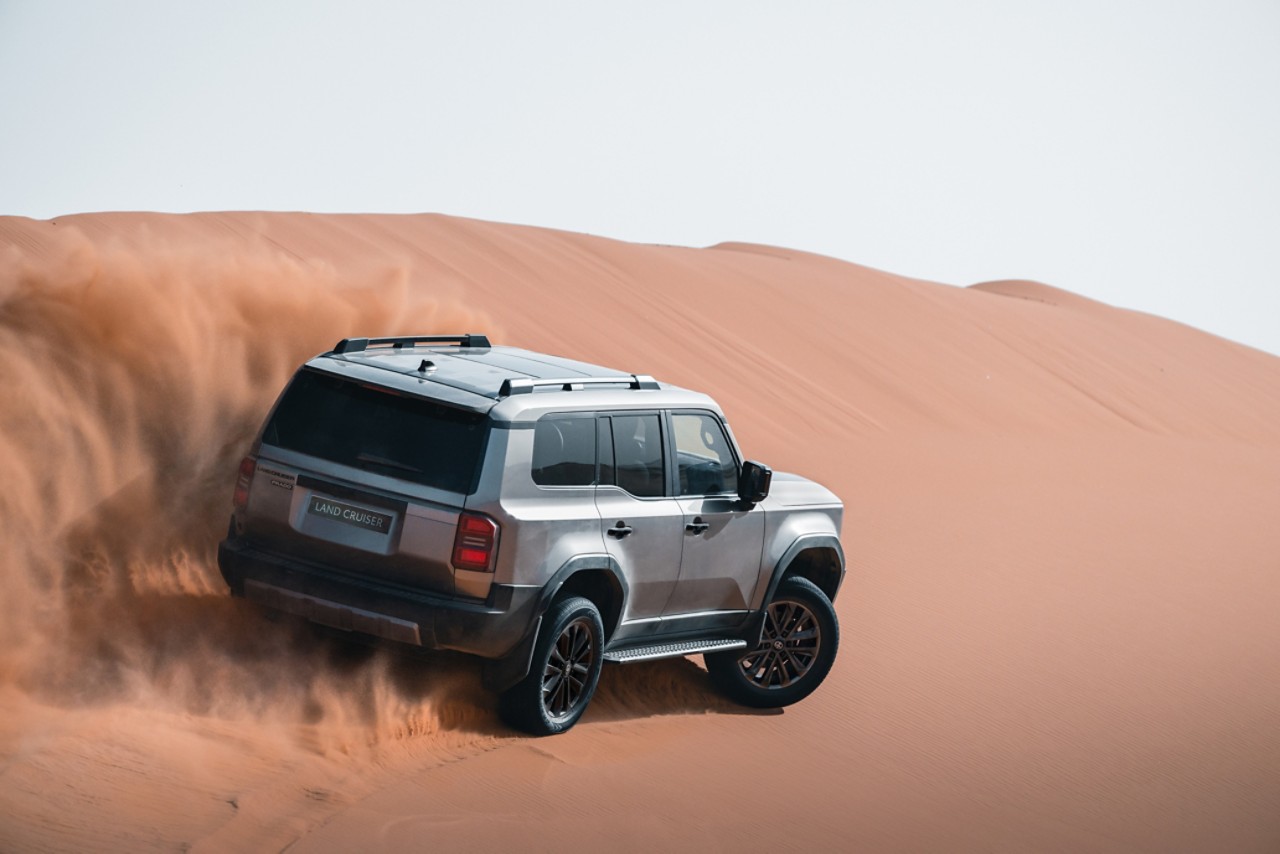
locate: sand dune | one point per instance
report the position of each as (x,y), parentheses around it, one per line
(1059,621)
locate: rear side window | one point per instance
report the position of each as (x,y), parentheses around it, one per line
(564,451)
(637,449)
(380,431)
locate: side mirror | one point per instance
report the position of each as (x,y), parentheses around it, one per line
(753,483)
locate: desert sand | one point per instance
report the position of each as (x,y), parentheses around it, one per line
(1060,619)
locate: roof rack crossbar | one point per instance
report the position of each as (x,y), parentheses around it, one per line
(526,385)
(355,345)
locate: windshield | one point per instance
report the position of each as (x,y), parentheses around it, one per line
(379,431)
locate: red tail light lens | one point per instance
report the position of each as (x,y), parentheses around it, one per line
(247,467)
(476,543)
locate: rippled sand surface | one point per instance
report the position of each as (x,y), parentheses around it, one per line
(1059,620)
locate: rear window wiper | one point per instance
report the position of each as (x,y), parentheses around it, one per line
(383,461)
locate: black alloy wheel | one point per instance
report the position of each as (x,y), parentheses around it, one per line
(565,670)
(564,678)
(796,650)
(789,646)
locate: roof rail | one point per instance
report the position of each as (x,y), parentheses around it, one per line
(526,385)
(355,345)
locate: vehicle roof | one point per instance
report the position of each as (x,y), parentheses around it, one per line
(473,377)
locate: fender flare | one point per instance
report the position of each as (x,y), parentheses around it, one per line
(801,543)
(577,564)
(500,674)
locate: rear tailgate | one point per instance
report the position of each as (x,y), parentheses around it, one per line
(365,480)
(372,532)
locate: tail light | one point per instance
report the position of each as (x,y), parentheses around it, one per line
(476,543)
(247,467)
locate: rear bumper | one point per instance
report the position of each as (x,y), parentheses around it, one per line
(490,629)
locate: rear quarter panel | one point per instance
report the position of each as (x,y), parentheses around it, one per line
(542,527)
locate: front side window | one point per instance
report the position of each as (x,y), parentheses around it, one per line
(564,451)
(705,459)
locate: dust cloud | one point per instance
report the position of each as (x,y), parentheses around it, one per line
(133,380)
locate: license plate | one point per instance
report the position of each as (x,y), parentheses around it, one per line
(357,516)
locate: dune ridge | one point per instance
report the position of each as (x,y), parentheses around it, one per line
(1059,614)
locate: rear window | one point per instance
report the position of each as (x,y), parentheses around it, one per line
(379,431)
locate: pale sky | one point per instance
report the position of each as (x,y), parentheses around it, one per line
(1128,151)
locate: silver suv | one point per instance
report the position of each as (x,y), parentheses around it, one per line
(542,513)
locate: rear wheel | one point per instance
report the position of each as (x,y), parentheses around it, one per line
(565,670)
(796,650)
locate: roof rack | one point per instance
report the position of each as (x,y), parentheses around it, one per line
(355,345)
(526,385)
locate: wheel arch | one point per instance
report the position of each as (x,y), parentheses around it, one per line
(595,577)
(817,557)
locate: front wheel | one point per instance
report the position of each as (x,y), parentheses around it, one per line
(796,651)
(567,657)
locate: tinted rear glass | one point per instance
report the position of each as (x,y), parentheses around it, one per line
(637,450)
(379,431)
(564,451)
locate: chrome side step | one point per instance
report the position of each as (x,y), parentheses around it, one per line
(672,650)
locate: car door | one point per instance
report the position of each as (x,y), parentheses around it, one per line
(722,541)
(641,522)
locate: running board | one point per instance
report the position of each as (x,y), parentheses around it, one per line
(672,650)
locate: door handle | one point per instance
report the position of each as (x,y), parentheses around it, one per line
(697,526)
(619,530)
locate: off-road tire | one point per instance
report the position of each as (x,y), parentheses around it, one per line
(796,651)
(567,657)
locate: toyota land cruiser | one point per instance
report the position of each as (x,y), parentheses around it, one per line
(545,514)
